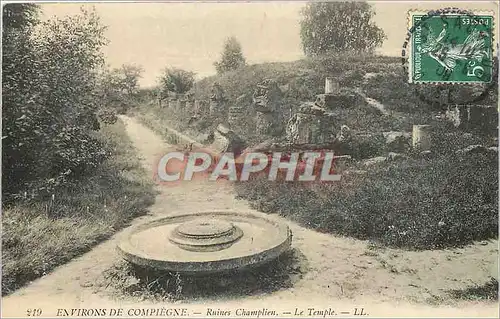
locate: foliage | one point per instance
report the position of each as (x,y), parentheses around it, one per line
(124,79)
(119,87)
(49,100)
(418,204)
(19,16)
(232,57)
(339,27)
(176,80)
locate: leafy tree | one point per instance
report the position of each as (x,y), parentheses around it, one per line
(119,88)
(122,81)
(176,80)
(339,27)
(49,99)
(19,16)
(232,56)
(130,75)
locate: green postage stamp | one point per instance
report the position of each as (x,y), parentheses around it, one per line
(451,47)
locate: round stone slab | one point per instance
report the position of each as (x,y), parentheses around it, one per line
(205,228)
(260,240)
(205,235)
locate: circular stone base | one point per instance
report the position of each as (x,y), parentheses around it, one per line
(206,242)
(205,235)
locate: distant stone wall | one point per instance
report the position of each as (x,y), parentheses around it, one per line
(183,103)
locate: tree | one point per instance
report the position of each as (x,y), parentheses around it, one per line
(339,27)
(122,80)
(119,88)
(176,80)
(232,57)
(49,99)
(130,77)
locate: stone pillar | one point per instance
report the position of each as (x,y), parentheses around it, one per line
(200,107)
(171,103)
(181,105)
(422,137)
(178,105)
(236,113)
(331,86)
(266,101)
(189,107)
(159,98)
(221,141)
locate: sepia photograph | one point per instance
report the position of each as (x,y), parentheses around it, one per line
(250,159)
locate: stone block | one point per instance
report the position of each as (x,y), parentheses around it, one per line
(422,137)
(392,156)
(478,149)
(200,108)
(331,85)
(342,99)
(397,141)
(374,160)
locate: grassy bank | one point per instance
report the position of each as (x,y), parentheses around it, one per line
(436,203)
(40,236)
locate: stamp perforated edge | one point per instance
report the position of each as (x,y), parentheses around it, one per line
(406,50)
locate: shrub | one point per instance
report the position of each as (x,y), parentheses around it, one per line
(41,235)
(49,100)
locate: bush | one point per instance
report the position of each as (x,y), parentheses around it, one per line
(38,236)
(418,204)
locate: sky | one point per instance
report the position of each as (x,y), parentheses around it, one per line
(191,35)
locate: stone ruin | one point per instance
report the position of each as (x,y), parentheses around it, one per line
(473,117)
(226,140)
(266,101)
(189,107)
(217,101)
(206,242)
(313,123)
(309,125)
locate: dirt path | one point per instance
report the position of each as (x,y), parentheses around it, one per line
(340,273)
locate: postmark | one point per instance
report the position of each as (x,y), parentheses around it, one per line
(450,46)
(440,78)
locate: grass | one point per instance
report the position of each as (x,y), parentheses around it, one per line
(38,237)
(401,204)
(488,291)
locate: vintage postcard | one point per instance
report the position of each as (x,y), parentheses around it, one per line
(270,159)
